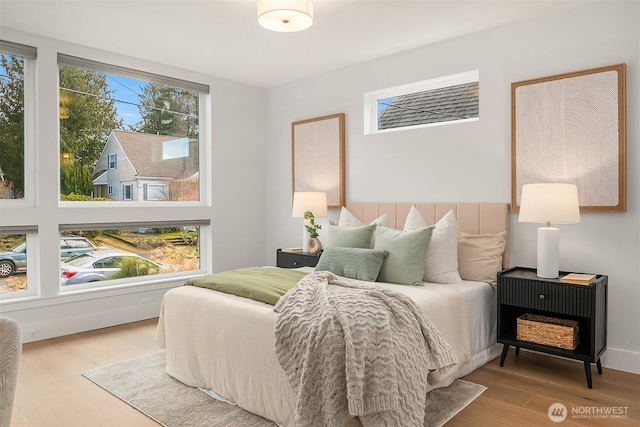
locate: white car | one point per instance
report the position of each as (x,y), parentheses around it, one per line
(14,260)
(102,265)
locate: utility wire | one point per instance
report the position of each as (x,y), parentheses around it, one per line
(122,84)
(105,98)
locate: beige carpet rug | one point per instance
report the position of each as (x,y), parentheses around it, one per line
(144,385)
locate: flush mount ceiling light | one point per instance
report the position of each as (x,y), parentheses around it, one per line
(285,15)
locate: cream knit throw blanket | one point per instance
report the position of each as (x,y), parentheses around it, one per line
(354,349)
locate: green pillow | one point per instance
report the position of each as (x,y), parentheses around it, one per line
(407,249)
(354,263)
(351,237)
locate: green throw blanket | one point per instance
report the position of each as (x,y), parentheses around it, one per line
(258,283)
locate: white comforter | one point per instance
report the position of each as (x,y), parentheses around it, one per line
(225,343)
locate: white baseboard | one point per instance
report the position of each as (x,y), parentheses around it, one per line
(87,322)
(621,360)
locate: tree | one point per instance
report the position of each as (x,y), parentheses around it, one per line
(87,114)
(168,111)
(76,179)
(87,117)
(12,124)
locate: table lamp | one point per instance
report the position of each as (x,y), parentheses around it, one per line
(314,202)
(549,203)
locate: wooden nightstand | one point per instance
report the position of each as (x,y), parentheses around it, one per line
(521,291)
(296,259)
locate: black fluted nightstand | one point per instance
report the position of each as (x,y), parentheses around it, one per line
(296,259)
(521,291)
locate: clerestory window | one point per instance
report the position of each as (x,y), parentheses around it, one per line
(439,101)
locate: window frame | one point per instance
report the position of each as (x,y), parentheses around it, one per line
(128,186)
(33,288)
(204,247)
(371,100)
(29,56)
(165,187)
(112,161)
(204,186)
(38,184)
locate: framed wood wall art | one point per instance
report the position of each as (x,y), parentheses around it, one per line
(571,128)
(318,157)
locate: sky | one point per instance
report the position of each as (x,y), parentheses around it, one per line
(127,91)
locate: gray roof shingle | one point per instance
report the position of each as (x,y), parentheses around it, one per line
(145,153)
(432,106)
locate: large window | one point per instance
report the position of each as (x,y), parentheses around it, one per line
(439,101)
(16,68)
(129,138)
(128,130)
(130,179)
(127,255)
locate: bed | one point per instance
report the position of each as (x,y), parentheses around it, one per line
(225,343)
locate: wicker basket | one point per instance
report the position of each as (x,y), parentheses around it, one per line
(550,331)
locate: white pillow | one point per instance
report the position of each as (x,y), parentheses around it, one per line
(348,220)
(441,261)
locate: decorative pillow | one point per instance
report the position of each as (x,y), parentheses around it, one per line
(407,249)
(350,237)
(348,220)
(480,256)
(441,262)
(354,263)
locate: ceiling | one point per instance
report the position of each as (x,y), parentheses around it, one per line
(222,37)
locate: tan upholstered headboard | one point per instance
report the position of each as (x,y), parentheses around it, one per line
(475,218)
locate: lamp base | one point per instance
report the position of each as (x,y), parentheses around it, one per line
(548,252)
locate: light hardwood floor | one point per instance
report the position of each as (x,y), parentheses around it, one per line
(52,392)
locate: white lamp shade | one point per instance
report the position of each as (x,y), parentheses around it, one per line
(285,15)
(315,202)
(549,203)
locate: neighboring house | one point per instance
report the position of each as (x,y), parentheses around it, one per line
(140,166)
(445,104)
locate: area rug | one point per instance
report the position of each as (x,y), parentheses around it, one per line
(144,385)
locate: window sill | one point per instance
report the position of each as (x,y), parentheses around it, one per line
(35,301)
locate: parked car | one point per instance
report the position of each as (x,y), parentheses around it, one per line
(15,259)
(102,265)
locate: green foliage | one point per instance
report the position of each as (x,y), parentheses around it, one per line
(167,230)
(168,111)
(87,114)
(133,267)
(75,179)
(12,123)
(312,227)
(72,197)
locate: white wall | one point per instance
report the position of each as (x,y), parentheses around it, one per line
(237,127)
(470,162)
